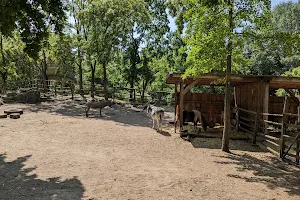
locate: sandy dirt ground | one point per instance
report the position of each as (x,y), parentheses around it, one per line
(54,152)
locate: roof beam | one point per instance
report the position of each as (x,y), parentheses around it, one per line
(186,89)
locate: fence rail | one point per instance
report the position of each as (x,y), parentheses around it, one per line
(250,123)
(54,88)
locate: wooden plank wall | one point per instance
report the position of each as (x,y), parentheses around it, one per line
(203,102)
(276,105)
(251,96)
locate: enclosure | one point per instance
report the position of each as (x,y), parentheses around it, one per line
(255,107)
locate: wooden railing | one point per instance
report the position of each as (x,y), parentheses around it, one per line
(285,144)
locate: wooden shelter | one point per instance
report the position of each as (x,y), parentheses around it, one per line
(251,98)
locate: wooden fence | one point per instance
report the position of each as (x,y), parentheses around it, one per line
(53,88)
(279,137)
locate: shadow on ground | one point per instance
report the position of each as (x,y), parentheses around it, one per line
(216,143)
(272,172)
(126,116)
(17,182)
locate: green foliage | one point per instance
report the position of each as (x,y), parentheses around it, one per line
(207,32)
(276,50)
(19,65)
(32,19)
(62,54)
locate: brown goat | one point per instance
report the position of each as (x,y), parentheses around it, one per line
(97,104)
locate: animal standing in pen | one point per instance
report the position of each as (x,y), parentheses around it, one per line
(194,116)
(157,114)
(97,104)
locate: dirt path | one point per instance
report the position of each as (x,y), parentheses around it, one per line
(55,152)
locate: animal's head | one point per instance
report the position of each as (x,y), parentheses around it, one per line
(148,107)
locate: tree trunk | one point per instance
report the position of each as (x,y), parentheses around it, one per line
(3,73)
(93,81)
(45,70)
(131,91)
(80,81)
(225,139)
(105,83)
(4,83)
(143,92)
(77,23)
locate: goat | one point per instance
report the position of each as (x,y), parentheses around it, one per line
(157,115)
(194,116)
(97,104)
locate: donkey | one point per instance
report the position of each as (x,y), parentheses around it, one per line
(157,115)
(194,116)
(97,104)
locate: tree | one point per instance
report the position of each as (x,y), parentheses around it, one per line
(132,55)
(62,54)
(80,37)
(214,35)
(32,19)
(108,22)
(277,50)
(20,67)
(145,72)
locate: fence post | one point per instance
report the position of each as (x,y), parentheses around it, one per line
(237,118)
(55,92)
(297,150)
(255,128)
(283,126)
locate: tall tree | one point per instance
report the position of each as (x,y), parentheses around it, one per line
(80,36)
(148,35)
(108,23)
(62,54)
(214,34)
(277,50)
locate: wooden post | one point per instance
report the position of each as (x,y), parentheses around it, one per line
(176,98)
(266,105)
(236,110)
(283,126)
(134,95)
(255,129)
(55,92)
(297,150)
(237,118)
(298,112)
(181,104)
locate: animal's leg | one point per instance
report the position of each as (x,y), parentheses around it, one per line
(161,121)
(100,112)
(153,123)
(86,111)
(175,124)
(158,125)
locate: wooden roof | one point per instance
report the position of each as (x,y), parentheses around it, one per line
(236,80)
